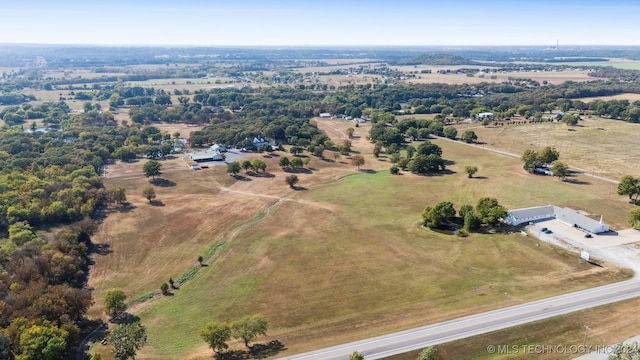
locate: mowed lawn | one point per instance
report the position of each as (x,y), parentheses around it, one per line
(348,259)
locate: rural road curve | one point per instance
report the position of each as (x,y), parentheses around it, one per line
(418,338)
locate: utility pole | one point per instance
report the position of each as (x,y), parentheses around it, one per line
(586,332)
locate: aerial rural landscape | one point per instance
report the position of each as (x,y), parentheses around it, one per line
(316,196)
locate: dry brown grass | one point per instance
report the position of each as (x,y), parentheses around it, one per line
(550,76)
(627,96)
(341,261)
(600,146)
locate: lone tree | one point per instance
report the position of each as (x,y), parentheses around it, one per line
(356,356)
(249,327)
(350,132)
(233,168)
(117,195)
(559,169)
(629,186)
(296,163)
(149,193)
(469,136)
(258,165)
(200,259)
(471,170)
(284,162)
(450,132)
(164,288)
(291,180)
(357,161)
(114,304)
(216,334)
(127,339)
(152,168)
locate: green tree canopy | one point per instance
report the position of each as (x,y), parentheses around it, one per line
(490,211)
(450,132)
(471,170)
(151,168)
(216,334)
(433,216)
(127,339)
(249,327)
(560,169)
(233,168)
(114,304)
(629,185)
(469,136)
(634,218)
(356,356)
(43,342)
(428,354)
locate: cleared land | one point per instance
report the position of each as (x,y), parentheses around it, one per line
(626,96)
(600,146)
(342,260)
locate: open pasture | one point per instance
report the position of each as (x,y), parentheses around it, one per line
(552,77)
(342,260)
(596,145)
(626,96)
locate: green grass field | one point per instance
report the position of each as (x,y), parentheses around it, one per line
(347,260)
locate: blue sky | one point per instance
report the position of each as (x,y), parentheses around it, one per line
(319,23)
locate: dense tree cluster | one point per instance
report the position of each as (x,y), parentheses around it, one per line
(41,293)
(534,159)
(487,211)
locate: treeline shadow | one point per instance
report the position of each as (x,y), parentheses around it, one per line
(242,178)
(156,203)
(297,170)
(257,351)
(162,182)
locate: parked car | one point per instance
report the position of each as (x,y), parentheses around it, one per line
(544,229)
(548,231)
(588,236)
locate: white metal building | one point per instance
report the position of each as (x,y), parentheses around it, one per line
(566,216)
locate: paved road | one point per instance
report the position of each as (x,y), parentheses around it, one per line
(414,339)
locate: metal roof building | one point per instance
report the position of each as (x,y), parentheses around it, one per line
(208,155)
(566,216)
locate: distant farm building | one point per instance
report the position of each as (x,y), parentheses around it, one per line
(484,115)
(258,142)
(207,155)
(567,216)
(325,115)
(218,148)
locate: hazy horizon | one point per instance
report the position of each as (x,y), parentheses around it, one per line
(348,23)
